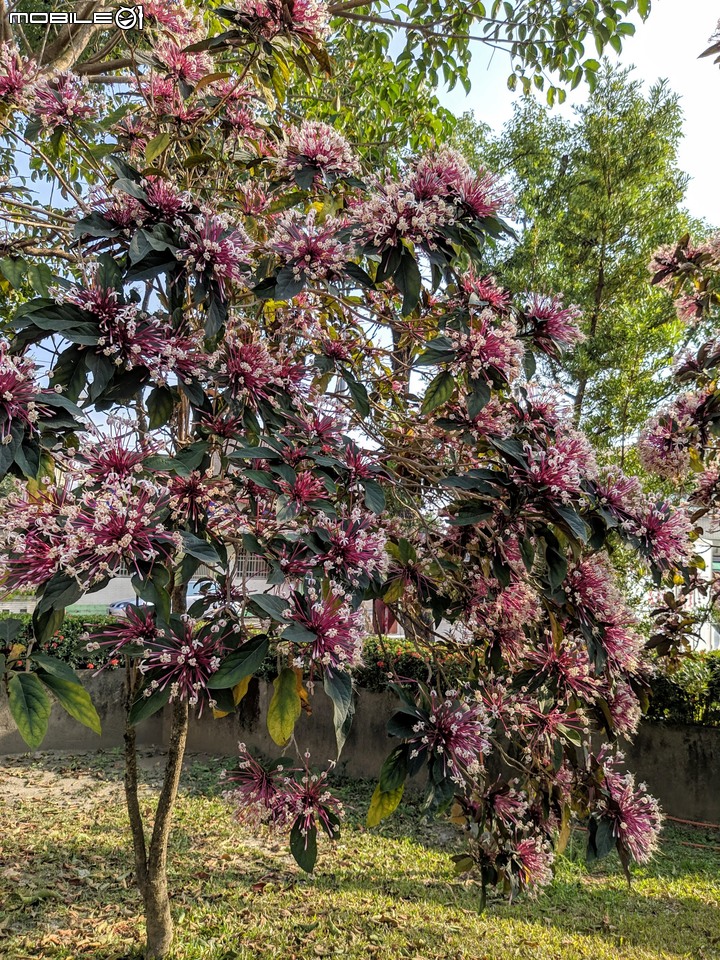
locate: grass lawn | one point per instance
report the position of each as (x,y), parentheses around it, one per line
(66,887)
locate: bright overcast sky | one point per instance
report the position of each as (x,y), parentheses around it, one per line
(666,46)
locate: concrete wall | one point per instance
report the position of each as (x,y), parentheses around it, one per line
(64,733)
(680,764)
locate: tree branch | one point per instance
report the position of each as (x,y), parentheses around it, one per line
(131,782)
(93,69)
(71,42)
(157,854)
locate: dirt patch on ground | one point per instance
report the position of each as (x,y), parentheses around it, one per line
(84,780)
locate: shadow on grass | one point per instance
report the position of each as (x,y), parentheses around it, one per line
(76,882)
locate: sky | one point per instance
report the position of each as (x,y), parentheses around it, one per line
(666,46)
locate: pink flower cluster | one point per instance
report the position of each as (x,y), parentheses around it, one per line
(308,19)
(436,192)
(64,99)
(446,174)
(662,529)
(354,549)
(312,250)
(216,251)
(393,213)
(452,734)
(335,630)
(318,146)
(635,815)
(283,796)
(18,393)
(247,369)
(667,441)
(561,469)
(489,350)
(485,290)
(86,535)
(130,338)
(181,659)
(17,74)
(553,327)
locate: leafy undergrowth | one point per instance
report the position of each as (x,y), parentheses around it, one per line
(66,887)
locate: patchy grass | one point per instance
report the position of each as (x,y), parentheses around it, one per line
(66,886)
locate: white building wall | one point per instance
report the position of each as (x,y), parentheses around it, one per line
(708,547)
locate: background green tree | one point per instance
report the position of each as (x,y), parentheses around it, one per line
(594,197)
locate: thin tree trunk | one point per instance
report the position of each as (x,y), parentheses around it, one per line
(594,320)
(157,901)
(131,784)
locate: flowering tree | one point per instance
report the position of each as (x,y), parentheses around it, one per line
(245,341)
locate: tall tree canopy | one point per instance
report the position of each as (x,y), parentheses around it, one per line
(390,57)
(593,198)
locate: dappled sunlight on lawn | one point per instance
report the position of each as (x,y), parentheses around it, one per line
(67,886)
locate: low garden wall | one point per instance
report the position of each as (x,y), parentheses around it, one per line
(679,763)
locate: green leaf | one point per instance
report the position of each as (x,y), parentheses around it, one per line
(395,769)
(156,146)
(374,496)
(303,846)
(478,397)
(438,392)
(45,625)
(145,707)
(359,394)
(383,803)
(14,269)
(241,663)
(298,634)
(408,281)
(601,839)
(198,548)
(59,593)
(470,513)
(557,567)
(274,607)
(462,863)
(9,629)
(574,522)
(339,687)
(160,406)
(30,707)
(285,707)
(57,668)
(288,285)
(74,699)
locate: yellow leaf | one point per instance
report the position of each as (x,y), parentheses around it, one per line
(16,651)
(285,707)
(383,803)
(239,691)
(395,590)
(305,705)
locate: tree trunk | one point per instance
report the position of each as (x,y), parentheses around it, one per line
(157,901)
(592,332)
(158,921)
